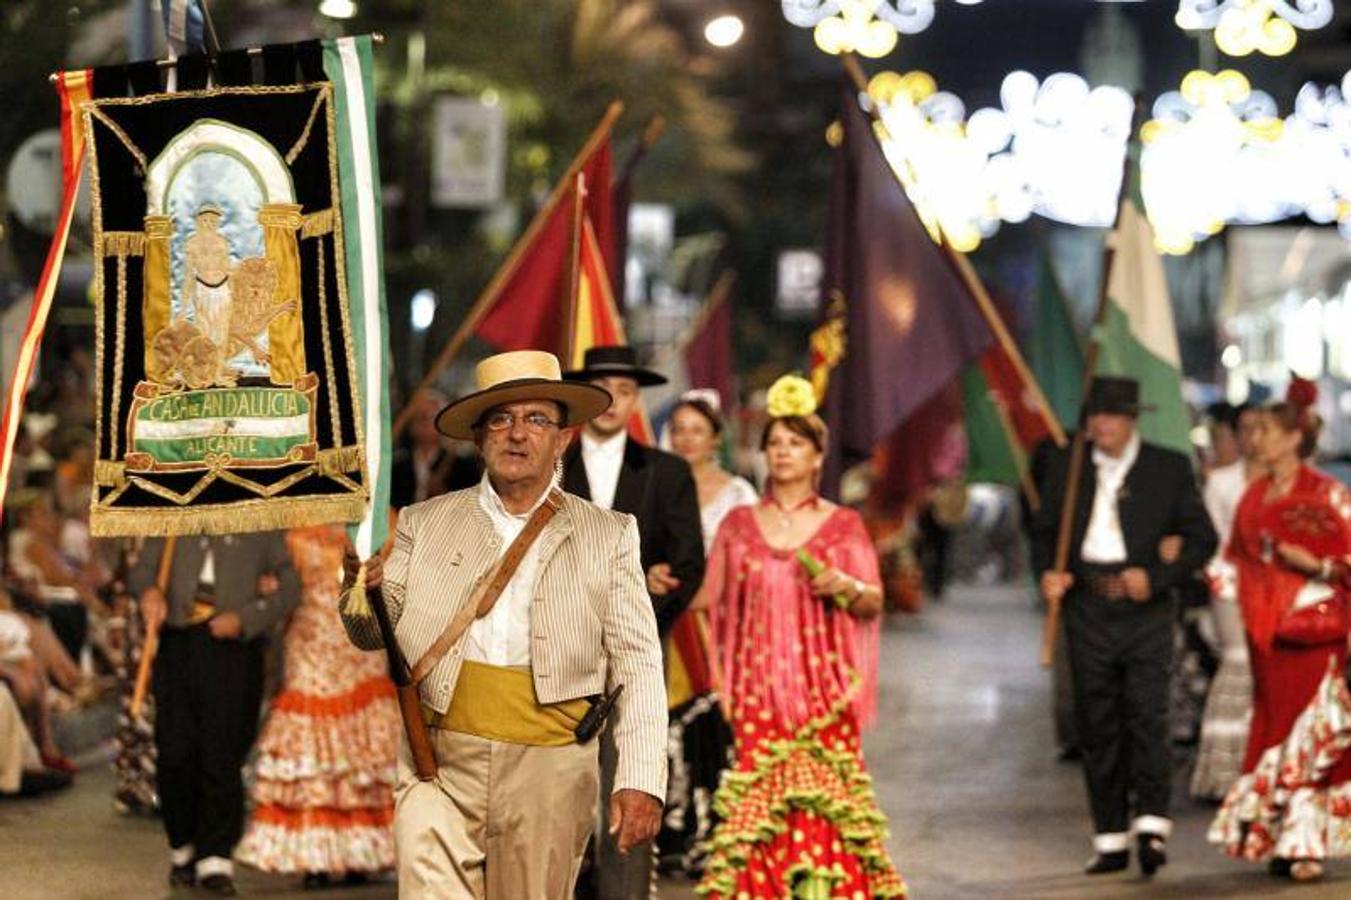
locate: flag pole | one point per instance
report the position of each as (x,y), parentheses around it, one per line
(1078,449)
(494,288)
(574,275)
(967,273)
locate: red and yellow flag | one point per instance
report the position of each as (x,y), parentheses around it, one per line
(595,316)
(74,88)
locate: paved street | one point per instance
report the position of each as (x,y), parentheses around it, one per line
(964,764)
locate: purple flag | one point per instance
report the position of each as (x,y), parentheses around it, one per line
(909,323)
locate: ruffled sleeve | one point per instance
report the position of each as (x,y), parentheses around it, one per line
(852,552)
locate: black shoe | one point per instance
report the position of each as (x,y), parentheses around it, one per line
(1153,851)
(1069,754)
(183,876)
(220,885)
(43,780)
(1106,863)
(1279,868)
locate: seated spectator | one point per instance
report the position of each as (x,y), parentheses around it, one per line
(66,594)
(21,772)
(74,476)
(24,676)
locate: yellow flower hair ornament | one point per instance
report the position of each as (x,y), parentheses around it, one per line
(791,395)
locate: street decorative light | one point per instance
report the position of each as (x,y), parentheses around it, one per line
(866,27)
(725,30)
(942,168)
(1214,153)
(338,9)
(1055,148)
(1244,26)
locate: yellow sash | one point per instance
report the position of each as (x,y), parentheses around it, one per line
(498,703)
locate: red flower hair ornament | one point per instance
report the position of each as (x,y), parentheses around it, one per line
(1302,394)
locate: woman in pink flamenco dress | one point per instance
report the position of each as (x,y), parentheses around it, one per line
(796,657)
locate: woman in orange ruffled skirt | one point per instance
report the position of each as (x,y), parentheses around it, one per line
(323,786)
(793,593)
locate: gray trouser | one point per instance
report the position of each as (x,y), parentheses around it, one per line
(621,876)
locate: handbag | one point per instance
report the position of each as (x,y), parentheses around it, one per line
(1324,622)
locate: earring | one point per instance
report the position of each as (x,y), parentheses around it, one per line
(558,470)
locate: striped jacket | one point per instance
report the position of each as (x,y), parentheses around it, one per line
(591,623)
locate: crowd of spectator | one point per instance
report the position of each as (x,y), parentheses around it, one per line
(62,619)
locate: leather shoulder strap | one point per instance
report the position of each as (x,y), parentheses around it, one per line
(490,589)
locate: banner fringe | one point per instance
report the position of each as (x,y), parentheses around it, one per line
(232,518)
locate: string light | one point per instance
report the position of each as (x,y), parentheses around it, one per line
(1244,26)
(944,172)
(1055,147)
(867,27)
(1208,158)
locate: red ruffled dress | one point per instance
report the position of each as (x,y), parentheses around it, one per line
(799,817)
(1293,800)
(323,781)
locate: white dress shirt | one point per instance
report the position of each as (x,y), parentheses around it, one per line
(1103,541)
(603,460)
(502,637)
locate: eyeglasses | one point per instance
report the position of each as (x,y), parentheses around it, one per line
(501,420)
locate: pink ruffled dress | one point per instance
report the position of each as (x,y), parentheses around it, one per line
(799,816)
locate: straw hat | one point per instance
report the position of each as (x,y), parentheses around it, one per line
(517,377)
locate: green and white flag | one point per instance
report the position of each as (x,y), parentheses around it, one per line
(347,63)
(1136,337)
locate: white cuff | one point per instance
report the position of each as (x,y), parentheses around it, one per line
(215,865)
(1156,825)
(181,856)
(1115,842)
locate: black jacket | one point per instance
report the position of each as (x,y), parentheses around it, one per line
(1158,498)
(657,488)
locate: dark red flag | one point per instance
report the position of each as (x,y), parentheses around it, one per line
(909,322)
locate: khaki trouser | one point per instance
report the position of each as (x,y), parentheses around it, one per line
(500,822)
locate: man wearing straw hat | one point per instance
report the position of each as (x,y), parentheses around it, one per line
(524,613)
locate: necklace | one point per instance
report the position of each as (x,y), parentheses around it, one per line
(786,512)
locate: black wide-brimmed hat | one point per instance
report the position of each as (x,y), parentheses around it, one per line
(604,362)
(1111,394)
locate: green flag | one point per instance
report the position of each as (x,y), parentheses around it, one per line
(1055,350)
(989,455)
(347,62)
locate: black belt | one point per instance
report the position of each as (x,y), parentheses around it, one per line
(1103,581)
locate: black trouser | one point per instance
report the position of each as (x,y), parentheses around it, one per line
(207,697)
(1121,658)
(70,624)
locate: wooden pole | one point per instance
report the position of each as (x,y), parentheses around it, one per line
(569,351)
(151,647)
(1078,450)
(974,286)
(494,288)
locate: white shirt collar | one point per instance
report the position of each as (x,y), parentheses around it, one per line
(1118,466)
(610,446)
(492,503)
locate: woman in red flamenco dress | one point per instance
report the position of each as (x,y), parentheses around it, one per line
(1292,534)
(796,656)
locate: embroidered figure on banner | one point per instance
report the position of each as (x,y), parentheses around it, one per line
(217,189)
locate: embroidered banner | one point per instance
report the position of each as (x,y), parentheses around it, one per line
(228,396)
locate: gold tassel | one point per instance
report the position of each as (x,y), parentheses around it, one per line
(354,602)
